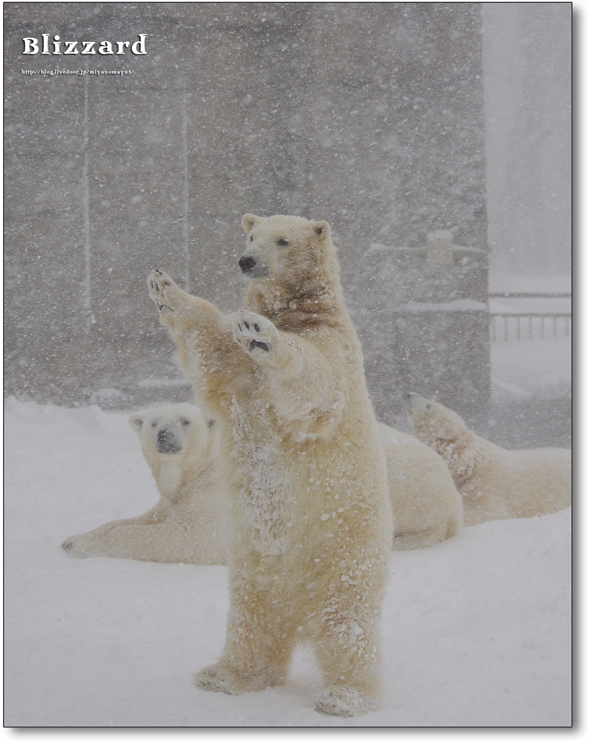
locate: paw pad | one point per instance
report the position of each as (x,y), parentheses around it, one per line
(255,343)
(253,332)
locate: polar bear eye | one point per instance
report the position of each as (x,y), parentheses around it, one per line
(252,238)
(154,424)
(282,242)
(184,421)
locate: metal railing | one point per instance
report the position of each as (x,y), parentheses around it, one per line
(533,331)
(529,325)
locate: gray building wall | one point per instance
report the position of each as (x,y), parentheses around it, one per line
(527,73)
(368,115)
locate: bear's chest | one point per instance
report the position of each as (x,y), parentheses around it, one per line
(266,492)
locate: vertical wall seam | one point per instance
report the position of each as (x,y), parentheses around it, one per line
(87,274)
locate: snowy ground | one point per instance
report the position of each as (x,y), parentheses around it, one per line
(476,631)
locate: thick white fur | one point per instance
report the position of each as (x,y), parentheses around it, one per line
(306,471)
(188,522)
(426,506)
(494,483)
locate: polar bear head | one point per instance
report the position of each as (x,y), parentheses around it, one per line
(443,431)
(286,248)
(177,438)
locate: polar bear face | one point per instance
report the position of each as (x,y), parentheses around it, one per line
(284,248)
(436,426)
(175,435)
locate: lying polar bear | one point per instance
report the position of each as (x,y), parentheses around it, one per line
(426,506)
(493,482)
(188,523)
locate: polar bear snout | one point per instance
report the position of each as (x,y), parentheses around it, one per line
(247,263)
(416,403)
(252,266)
(167,441)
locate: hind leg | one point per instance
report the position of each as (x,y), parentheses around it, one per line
(259,645)
(349,657)
(346,643)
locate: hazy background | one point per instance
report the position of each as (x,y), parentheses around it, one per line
(389,120)
(527,76)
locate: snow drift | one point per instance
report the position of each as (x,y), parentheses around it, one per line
(476,631)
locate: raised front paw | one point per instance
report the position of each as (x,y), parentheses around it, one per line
(168,297)
(255,334)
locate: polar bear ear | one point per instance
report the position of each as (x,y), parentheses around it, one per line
(136,421)
(322,229)
(249,221)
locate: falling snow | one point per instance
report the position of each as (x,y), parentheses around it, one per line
(401,124)
(475,631)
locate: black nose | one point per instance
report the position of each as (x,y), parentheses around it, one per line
(167,441)
(246,263)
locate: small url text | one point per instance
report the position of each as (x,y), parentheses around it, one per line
(76,72)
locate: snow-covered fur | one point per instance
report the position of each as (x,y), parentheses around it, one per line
(188,523)
(311,522)
(493,482)
(426,506)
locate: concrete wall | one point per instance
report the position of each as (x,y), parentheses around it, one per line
(427,330)
(368,115)
(527,73)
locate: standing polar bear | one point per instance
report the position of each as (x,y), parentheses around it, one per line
(311,522)
(494,483)
(188,524)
